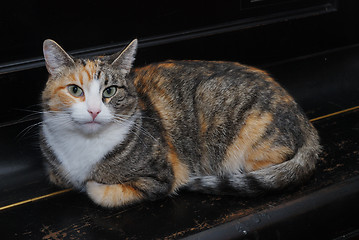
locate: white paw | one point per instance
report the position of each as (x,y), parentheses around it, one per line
(112,195)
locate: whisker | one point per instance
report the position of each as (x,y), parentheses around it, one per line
(138,127)
(28,118)
(27,130)
(35,115)
(127,116)
(138,137)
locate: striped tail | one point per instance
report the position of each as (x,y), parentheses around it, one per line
(289,173)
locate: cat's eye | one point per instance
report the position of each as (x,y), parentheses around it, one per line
(109,92)
(75,90)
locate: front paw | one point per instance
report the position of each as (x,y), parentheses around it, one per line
(112,195)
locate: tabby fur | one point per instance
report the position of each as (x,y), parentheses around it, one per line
(209,126)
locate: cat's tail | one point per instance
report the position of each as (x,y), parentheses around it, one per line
(290,173)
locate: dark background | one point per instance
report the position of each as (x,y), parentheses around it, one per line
(85,27)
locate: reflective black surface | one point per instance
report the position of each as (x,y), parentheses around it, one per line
(92,24)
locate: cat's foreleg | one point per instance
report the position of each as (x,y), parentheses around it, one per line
(116,195)
(55,178)
(112,195)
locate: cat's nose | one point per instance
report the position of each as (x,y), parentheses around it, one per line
(94,112)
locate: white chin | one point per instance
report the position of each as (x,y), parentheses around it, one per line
(90,128)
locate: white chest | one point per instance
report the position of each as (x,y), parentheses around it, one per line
(79,153)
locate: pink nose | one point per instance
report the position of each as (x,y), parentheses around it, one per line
(94,113)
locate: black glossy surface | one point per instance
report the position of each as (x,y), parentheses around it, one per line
(89,24)
(279,222)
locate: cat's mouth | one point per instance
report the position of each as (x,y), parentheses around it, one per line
(93,123)
(87,123)
(90,127)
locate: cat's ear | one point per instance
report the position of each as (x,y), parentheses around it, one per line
(55,57)
(125,58)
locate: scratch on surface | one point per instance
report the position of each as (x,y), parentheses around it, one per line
(197,227)
(333,168)
(57,235)
(73,231)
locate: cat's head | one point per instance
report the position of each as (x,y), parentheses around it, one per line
(89,94)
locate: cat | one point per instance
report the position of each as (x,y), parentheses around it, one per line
(127,135)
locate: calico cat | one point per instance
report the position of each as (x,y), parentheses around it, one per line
(124,135)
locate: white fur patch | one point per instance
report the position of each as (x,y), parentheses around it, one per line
(79,152)
(111,195)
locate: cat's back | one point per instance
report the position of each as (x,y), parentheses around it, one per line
(209,85)
(205,105)
(192,72)
(194,80)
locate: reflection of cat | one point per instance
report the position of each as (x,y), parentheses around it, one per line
(127,135)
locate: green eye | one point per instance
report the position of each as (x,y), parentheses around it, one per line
(75,90)
(109,92)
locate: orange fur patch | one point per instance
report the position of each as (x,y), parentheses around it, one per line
(202,122)
(247,152)
(256,70)
(266,155)
(56,89)
(112,195)
(284,99)
(180,170)
(143,76)
(167,65)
